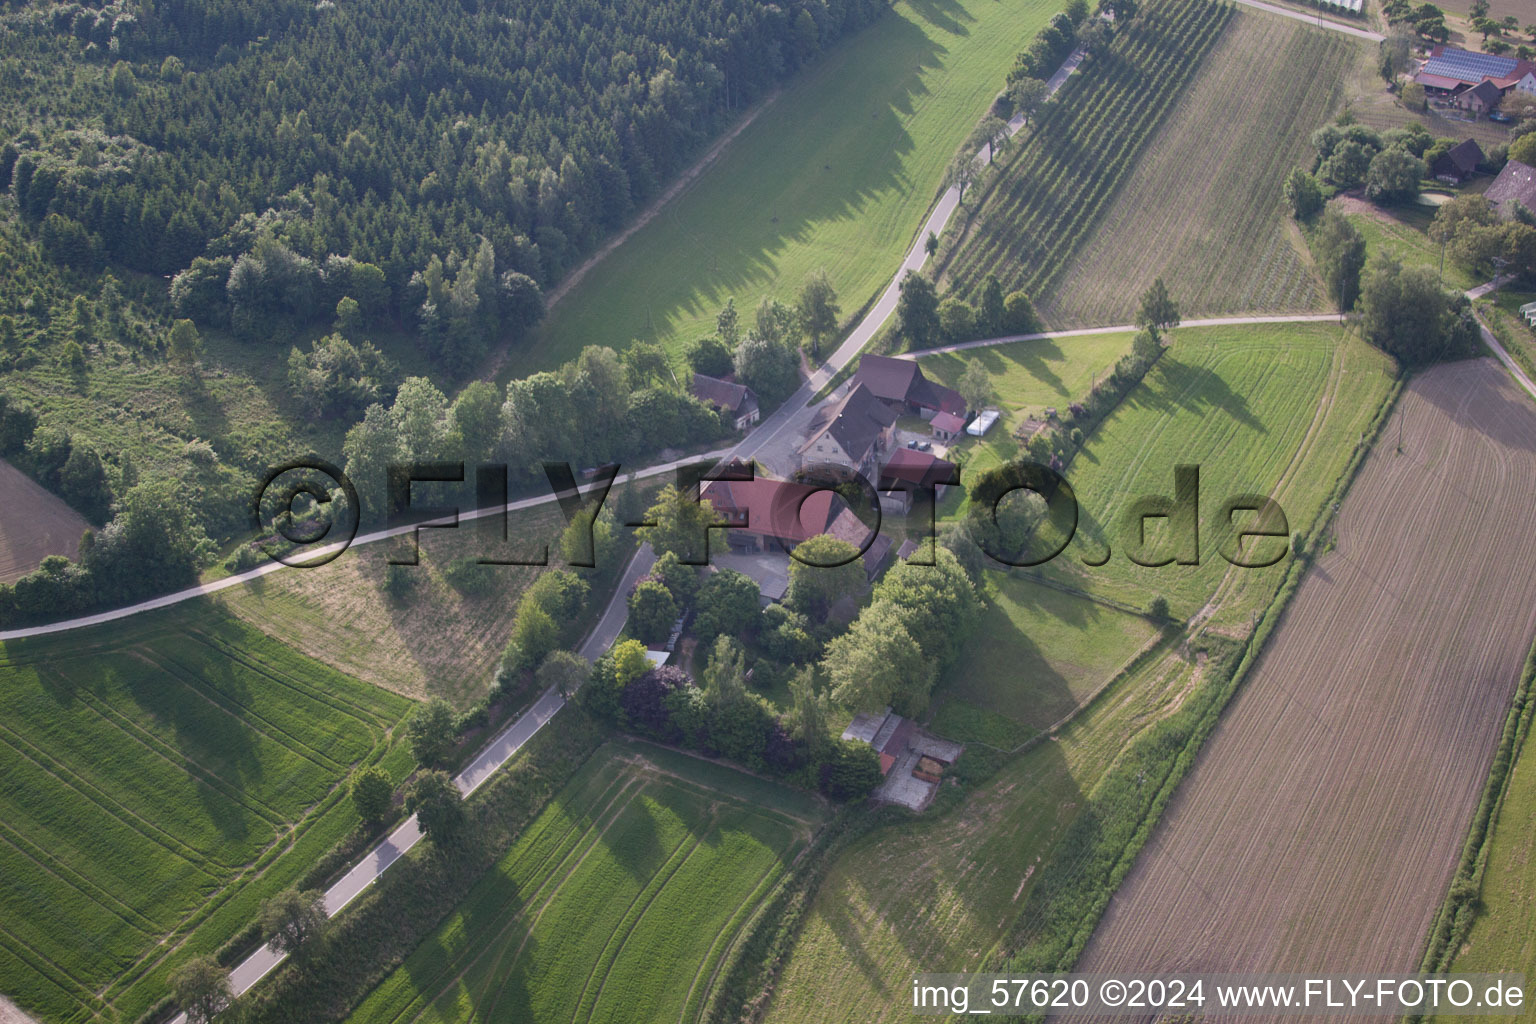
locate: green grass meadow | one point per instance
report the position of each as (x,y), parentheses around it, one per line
(157,783)
(1029,377)
(1046,651)
(617,904)
(1273,409)
(838,173)
(1503,938)
(1402,234)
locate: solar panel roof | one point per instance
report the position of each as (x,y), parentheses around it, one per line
(1469,67)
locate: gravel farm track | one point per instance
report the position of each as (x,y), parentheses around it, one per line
(36,524)
(1321,824)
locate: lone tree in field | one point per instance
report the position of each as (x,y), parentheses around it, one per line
(565,671)
(372,794)
(291,919)
(992,315)
(435,801)
(917,311)
(1158,312)
(201,988)
(961,174)
(430,732)
(817,309)
(678,524)
(185,344)
(975,384)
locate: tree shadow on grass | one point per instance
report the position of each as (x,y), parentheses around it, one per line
(738,251)
(947,15)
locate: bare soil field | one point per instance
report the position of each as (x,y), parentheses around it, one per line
(34,523)
(1321,825)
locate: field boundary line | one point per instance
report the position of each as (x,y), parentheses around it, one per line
(1444,940)
(52,973)
(578,848)
(725,940)
(317,695)
(92,891)
(123,815)
(636,911)
(162,751)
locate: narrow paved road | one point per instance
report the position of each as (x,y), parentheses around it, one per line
(1083,332)
(788,417)
(1493,343)
(1312,19)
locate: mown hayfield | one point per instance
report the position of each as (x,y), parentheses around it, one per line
(158,781)
(1029,377)
(1059,183)
(1275,409)
(1202,207)
(1326,813)
(35,523)
(1046,651)
(838,172)
(940,892)
(617,904)
(432,639)
(1402,234)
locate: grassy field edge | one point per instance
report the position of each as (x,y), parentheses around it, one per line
(1461,907)
(1216,695)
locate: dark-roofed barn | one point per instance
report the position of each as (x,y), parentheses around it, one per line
(1458,163)
(735,401)
(900,383)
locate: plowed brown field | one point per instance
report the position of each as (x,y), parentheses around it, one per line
(33,524)
(1320,827)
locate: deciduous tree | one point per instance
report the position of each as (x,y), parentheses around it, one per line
(824,571)
(292,919)
(438,807)
(430,732)
(201,988)
(372,793)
